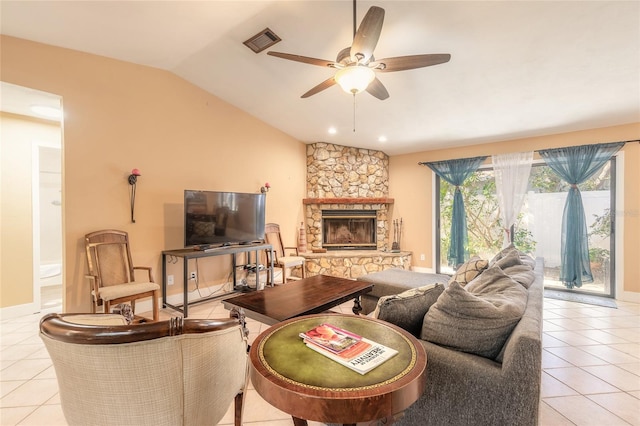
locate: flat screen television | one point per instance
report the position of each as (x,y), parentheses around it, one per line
(214,218)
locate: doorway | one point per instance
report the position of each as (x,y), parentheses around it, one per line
(47,225)
(32,201)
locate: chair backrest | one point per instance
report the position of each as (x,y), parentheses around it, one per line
(272,236)
(109,257)
(176,372)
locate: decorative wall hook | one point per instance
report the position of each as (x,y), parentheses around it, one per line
(265,188)
(133,179)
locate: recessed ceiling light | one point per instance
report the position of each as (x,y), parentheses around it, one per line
(47,111)
(382,138)
(332,130)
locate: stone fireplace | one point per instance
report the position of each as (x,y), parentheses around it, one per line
(349,229)
(346,183)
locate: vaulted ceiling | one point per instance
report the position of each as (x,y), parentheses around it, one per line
(517,68)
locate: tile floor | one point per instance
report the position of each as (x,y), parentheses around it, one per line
(591,363)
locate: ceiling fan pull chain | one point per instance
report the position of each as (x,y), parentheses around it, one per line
(354,113)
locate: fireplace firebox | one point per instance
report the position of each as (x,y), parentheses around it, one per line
(349,229)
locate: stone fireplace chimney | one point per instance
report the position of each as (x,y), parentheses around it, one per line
(344,181)
(346,178)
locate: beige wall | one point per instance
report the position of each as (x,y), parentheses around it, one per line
(412,187)
(120,116)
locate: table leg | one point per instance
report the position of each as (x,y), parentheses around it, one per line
(357,307)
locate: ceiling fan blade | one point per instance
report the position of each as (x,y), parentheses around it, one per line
(366,38)
(320,87)
(377,89)
(402,63)
(304,59)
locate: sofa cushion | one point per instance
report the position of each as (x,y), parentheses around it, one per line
(477,322)
(407,309)
(469,270)
(396,280)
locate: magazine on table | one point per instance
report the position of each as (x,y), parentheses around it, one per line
(362,356)
(331,338)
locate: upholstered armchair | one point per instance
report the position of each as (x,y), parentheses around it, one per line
(176,372)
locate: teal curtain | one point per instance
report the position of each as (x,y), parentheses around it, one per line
(575,165)
(456,172)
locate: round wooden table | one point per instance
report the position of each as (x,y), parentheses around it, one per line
(309,386)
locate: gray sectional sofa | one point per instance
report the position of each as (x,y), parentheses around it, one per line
(464,388)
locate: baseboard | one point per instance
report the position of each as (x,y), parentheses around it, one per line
(11,312)
(628,296)
(178,298)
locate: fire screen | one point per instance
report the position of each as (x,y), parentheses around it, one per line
(349,229)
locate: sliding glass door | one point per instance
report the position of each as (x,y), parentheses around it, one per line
(538,229)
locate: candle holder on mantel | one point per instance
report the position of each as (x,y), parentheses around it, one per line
(397,232)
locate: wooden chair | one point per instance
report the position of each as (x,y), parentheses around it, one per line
(281,260)
(175,372)
(112,274)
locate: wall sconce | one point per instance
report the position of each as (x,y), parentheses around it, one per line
(265,188)
(133,179)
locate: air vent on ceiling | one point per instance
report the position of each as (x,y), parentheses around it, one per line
(264,39)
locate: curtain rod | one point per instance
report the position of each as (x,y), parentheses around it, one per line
(424,163)
(623,142)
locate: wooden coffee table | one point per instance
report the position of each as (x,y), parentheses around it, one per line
(309,386)
(307,296)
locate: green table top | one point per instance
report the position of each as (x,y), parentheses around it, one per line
(283,352)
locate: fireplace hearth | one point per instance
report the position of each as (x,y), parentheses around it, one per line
(349,229)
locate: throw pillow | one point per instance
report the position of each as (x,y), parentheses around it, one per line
(469,270)
(407,309)
(528,260)
(480,322)
(525,258)
(522,274)
(502,253)
(511,258)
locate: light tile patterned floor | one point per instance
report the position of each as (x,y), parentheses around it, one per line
(591,363)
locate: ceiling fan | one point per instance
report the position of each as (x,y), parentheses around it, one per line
(356,64)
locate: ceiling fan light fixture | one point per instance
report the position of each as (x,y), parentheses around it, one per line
(355,79)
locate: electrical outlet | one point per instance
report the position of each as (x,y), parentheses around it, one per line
(170,280)
(422,256)
(193,276)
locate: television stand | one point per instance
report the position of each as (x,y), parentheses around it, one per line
(190,253)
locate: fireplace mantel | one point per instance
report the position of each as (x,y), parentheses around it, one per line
(348,200)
